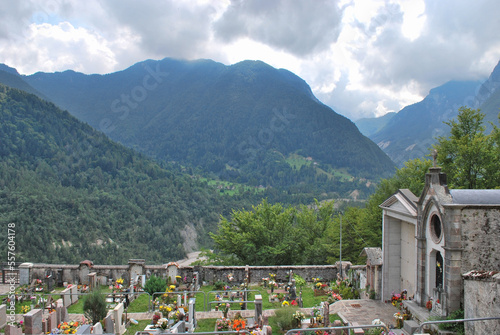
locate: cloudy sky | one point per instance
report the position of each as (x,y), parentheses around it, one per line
(361,57)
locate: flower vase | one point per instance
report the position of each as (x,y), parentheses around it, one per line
(225,314)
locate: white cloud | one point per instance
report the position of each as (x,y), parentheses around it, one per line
(362,58)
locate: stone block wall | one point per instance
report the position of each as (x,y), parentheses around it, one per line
(481,299)
(480,238)
(74,273)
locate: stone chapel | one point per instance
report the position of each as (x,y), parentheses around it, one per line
(432,243)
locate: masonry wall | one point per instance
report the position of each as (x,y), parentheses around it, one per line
(480,239)
(78,274)
(481,299)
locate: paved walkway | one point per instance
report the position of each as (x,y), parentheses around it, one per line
(364,311)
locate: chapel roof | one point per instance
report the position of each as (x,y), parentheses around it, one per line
(475,197)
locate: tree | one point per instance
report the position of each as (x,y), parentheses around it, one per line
(94,307)
(468,156)
(263,236)
(275,235)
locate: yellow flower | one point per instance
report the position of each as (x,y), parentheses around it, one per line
(285,303)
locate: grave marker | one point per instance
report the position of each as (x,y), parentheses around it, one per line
(74,294)
(66,296)
(84,329)
(3,315)
(109,324)
(118,316)
(33,322)
(52,321)
(98,328)
(13,330)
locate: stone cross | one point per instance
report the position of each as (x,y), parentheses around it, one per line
(434,157)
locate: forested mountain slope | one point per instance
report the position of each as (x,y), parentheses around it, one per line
(241,122)
(73,194)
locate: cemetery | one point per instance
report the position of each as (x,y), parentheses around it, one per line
(258,300)
(427,272)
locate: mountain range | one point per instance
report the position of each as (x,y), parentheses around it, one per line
(246,123)
(411,132)
(74,194)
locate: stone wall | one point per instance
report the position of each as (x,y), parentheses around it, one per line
(78,274)
(481,296)
(480,238)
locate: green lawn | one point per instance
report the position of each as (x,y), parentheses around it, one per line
(138,327)
(140,304)
(205,325)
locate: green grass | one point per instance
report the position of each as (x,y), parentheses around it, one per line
(140,304)
(205,325)
(138,327)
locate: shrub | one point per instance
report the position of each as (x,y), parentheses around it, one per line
(155,284)
(284,318)
(219,285)
(94,307)
(457,327)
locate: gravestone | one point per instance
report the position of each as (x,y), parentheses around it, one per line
(118,316)
(59,306)
(191,314)
(25,273)
(92,280)
(66,296)
(13,330)
(52,320)
(3,315)
(195,281)
(179,300)
(33,322)
(84,329)
(98,328)
(45,326)
(325,310)
(74,294)
(172,271)
(109,324)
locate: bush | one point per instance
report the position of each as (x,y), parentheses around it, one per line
(219,285)
(457,327)
(155,284)
(284,318)
(94,307)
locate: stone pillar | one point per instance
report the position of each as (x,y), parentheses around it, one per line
(33,322)
(192,312)
(258,308)
(25,273)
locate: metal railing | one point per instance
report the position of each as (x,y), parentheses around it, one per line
(300,330)
(456,321)
(207,306)
(184,294)
(243,331)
